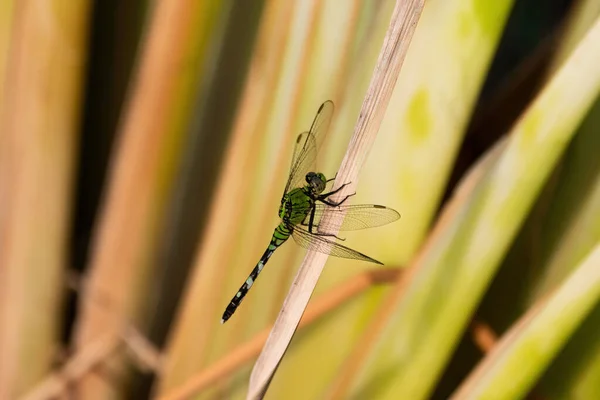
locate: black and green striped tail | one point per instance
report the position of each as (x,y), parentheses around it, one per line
(281,234)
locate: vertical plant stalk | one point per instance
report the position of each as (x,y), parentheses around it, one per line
(41,97)
(191,338)
(151,139)
(402,26)
(6,22)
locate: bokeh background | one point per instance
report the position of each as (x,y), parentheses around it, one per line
(143,149)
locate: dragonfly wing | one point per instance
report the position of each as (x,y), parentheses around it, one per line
(323,245)
(307,144)
(322,120)
(303,160)
(356,217)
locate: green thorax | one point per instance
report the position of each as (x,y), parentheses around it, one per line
(295,205)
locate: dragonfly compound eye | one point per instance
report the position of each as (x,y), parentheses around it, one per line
(310,177)
(316,181)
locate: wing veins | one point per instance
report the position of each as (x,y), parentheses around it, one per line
(322,245)
(304,159)
(356,217)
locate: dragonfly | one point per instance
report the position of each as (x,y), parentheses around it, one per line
(304,202)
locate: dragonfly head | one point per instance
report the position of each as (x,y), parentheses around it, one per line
(316,181)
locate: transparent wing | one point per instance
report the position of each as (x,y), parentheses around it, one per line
(307,144)
(303,161)
(360,216)
(323,245)
(298,146)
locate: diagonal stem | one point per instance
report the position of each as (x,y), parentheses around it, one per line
(402,26)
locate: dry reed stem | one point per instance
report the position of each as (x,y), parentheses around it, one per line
(402,26)
(120,260)
(505,343)
(143,353)
(79,365)
(484,336)
(145,356)
(486,339)
(247,351)
(41,82)
(192,330)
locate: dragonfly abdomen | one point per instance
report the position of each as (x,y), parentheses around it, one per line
(280,235)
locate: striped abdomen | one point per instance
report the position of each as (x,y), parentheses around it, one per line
(281,234)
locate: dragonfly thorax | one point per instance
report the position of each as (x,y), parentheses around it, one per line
(316,182)
(296,205)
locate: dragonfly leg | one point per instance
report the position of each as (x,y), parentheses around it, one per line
(308,220)
(331,179)
(311,220)
(311,226)
(311,229)
(324,195)
(339,203)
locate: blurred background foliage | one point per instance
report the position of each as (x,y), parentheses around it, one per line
(143,148)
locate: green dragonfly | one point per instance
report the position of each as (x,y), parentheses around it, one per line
(304,203)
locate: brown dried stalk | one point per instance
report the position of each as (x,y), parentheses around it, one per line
(391,57)
(79,365)
(143,353)
(505,342)
(138,183)
(43,52)
(145,356)
(484,336)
